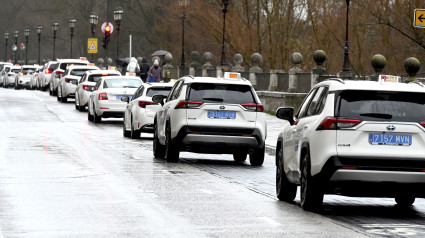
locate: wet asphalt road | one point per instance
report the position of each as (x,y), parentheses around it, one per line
(61,176)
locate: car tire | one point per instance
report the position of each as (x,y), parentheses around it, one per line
(96,118)
(285,190)
(63,98)
(257,158)
(158,149)
(134,134)
(405,200)
(239,157)
(311,195)
(125,133)
(171,151)
(89,116)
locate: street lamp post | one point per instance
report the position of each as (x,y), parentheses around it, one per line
(183,4)
(26,34)
(55,26)
(39,29)
(224,4)
(6,38)
(72,22)
(15,48)
(94,19)
(118,13)
(346,65)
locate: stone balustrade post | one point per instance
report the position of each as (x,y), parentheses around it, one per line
(256,59)
(319,57)
(412,66)
(273,85)
(238,60)
(296,59)
(378,63)
(208,57)
(195,62)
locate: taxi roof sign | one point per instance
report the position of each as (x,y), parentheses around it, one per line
(83,58)
(112,68)
(389,78)
(419,19)
(232,76)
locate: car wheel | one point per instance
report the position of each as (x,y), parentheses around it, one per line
(158,149)
(58,95)
(89,115)
(405,200)
(239,157)
(76,102)
(96,118)
(125,133)
(171,151)
(63,98)
(311,196)
(285,190)
(50,90)
(135,134)
(257,158)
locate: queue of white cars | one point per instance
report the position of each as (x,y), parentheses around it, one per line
(350,138)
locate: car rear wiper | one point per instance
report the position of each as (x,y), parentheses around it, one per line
(213,99)
(377,115)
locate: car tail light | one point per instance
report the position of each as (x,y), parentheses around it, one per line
(349,167)
(9,74)
(59,72)
(422,123)
(48,71)
(68,80)
(332,123)
(188,104)
(36,75)
(23,73)
(85,87)
(105,74)
(103,96)
(143,104)
(254,107)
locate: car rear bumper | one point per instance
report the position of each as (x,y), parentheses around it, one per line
(373,177)
(216,140)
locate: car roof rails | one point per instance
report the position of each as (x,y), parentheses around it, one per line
(336,79)
(418,83)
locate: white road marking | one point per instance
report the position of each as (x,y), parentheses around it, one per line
(206,191)
(270,221)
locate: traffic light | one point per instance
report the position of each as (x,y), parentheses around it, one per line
(107,37)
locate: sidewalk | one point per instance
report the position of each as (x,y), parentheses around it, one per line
(274,126)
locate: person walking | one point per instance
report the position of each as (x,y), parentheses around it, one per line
(144,69)
(156,71)
(133,66)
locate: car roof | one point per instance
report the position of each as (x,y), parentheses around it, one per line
(221,80)
(152,85)
(338,84)
(71,67)
(29,66)
(71,61)
(121,77)
(101,71)
(15,67)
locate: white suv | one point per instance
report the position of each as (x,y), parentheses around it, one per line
(354,138)
(210,115)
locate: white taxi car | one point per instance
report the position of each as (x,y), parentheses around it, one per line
(22,79)
(89,79)
(354,138)
(140,111)
(69,81)
(57,73)
(3,71)
(105,100)
(8,74)
(44,76)
(34,78)
(211,115)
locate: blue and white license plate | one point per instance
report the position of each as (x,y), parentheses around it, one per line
(222,114)
(390,139)
(120,96)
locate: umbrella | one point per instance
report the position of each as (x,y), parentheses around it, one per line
(122,61)
(160,53)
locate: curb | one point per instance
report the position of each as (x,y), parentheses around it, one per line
(271,150)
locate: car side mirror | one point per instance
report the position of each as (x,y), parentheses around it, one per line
(125,99)
(286,113)
(158,99)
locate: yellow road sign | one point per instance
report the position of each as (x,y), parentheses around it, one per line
(419,20)
(92,46)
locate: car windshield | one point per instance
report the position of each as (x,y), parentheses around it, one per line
(16,70)
(160,91)
(78,72)
(28,70)
(226,93)
(96,77)
(382,105)
(122,83)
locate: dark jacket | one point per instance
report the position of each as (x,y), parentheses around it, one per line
(144,68)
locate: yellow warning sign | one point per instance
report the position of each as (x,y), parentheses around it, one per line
(419,20)
(92,46)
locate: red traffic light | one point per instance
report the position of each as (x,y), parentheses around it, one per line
(108,29)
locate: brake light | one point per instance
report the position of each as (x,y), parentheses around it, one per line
(103,96)
(143,104)
(85,87)
(36,75)
(48,71)
(253,107)
(349,167)
(331,123)
(422,123)
(188,104)
(105,74)
(59,72)
(68,80)
(23,73)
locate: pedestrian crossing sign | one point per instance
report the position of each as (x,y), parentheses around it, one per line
(92,46)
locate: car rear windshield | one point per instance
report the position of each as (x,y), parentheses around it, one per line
(53,66)
(63,66)
(78,72)
(122,83)
(16,70)
(159,91)
(28,70)
(226,93)
(382,105)
(96,77)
